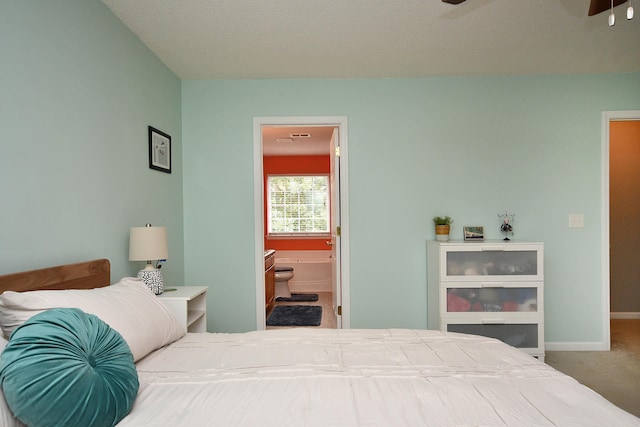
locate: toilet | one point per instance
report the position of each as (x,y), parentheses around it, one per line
(283,275)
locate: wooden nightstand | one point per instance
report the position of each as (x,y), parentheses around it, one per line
(189,305)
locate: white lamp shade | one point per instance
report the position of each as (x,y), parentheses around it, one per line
(148,244)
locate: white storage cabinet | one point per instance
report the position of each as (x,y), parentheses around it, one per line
(489,288)
(189,305)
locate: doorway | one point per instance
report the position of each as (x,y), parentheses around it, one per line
(610,242)
(338,242)
(624,209)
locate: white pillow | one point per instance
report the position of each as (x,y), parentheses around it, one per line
(128,306)
(6,416)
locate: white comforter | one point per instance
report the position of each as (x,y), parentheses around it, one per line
(323,377)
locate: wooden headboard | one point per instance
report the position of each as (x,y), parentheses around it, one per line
(82,275)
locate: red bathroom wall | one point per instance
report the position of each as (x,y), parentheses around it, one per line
(293,165)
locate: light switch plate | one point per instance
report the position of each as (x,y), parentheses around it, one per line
(576,220)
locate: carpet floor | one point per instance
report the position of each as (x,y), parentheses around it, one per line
(615,374)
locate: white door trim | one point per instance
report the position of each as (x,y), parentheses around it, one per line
(607,117)
(258,204)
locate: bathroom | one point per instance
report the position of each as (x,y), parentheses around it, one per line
(298,153)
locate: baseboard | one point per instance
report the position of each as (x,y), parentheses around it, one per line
(307,286)
(576,346)
(589,346)
(624,315)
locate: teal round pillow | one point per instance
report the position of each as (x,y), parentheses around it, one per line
(64,367)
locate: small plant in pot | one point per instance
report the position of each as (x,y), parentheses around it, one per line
(443,226)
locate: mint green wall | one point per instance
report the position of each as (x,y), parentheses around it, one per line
(468,147)
(77,92)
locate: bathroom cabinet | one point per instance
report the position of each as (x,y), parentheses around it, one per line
(489,288)
(189,305)
(269,277)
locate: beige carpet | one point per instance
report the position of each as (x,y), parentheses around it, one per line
(614,374)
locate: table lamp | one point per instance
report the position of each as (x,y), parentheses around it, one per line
(149,244)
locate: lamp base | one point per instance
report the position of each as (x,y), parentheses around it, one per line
(153,279)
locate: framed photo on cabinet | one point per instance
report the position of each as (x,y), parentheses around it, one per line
(159,150)
(473,233)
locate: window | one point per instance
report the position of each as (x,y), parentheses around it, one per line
(298,205)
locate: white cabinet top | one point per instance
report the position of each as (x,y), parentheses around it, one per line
(505,243)
(183,292)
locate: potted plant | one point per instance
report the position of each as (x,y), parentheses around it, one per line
(443,226)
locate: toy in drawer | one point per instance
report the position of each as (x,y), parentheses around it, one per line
(493,299)
(500,262)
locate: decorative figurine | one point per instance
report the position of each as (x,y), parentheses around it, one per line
(506,227)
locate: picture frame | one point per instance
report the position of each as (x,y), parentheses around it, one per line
(473,233)
(159,150)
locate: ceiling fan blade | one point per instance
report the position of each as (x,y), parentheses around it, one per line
(598,6)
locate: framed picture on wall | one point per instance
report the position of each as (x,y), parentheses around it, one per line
(159,150)
(473,233)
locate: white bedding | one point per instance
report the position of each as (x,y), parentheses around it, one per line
(323,377)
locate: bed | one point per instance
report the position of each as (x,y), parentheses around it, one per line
(296,377)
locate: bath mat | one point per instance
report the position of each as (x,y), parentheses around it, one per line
(295,315)
(299,298)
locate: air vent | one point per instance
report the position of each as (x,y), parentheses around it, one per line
(300,135)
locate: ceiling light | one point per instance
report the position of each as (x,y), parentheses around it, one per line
(612,17)
(630,11)
(283,140)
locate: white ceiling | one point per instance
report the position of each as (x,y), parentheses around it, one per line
(255,39)
(285,141)
(239,39)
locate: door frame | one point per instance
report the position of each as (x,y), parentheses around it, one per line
(607,117)
(258,204)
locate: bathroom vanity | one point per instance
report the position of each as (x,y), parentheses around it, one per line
(269,276)
(489,288)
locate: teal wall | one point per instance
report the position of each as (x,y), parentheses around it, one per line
(468,147)
(77,92)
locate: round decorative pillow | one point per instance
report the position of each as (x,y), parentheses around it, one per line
(64,367)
